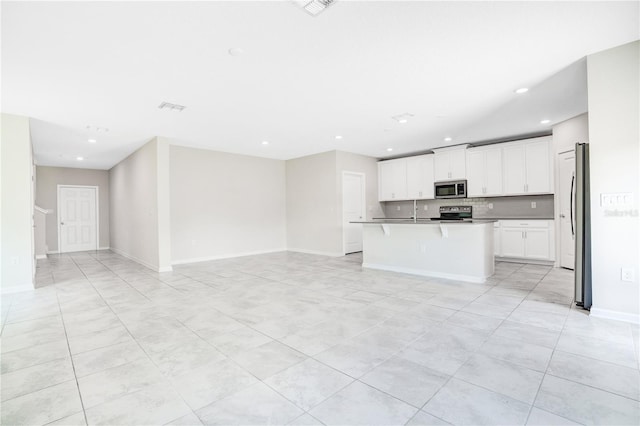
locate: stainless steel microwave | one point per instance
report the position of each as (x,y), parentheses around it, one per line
(451,189)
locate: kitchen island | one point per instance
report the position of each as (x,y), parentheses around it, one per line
(457,250)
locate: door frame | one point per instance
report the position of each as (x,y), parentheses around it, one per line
(97,189)
(364,204)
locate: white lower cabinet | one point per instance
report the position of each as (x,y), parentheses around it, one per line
(531,239)
(497,244)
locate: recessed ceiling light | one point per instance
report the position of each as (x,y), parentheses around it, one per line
(447,139)
(402,120)
(92,141)
(521,90)
(545,121)
(79,158)
(338,137)
(389,149)
(236,51)
(265,142)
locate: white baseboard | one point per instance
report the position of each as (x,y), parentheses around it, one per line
(520,260)
(318,252)
(224,256)
(104,248)
(17,289)
(142,262)
(41,256)
(52,252)
(420,272)
(615,315)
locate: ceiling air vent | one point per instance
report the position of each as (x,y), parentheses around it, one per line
(171,107)
(314,7)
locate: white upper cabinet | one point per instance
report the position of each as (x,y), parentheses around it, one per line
(392,180)
(420,177)
(450,163)
(527,167)
(484,171)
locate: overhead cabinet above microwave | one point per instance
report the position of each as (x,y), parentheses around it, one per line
(450,163)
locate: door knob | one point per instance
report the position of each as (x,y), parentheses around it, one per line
(61,223)
(562,216)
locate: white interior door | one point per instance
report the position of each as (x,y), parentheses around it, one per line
(77,218)
(567,172)
(353,209)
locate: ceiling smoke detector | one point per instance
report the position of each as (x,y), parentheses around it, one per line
(314,7)
(171,107)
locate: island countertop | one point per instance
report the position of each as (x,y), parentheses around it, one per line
(424,221)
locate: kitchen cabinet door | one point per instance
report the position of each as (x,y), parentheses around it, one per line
(450,164)
(537,244)
(538,167)
(442,166)
(493,172)
(514,163)
(475,173)
(420,177)
(512,242)
(392,180)
(458,164)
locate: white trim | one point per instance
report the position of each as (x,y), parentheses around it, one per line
(364,203)
(165,269)
(224,256)
(97,188)
(525,260)
(52,252)
(467,278)
(615,315)
(318,252)
(17,289)
(41,256)
(135,259)
(104,248)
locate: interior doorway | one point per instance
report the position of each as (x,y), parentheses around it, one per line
(567,188)
(353,209)
(77,218)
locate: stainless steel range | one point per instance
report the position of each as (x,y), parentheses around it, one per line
(455,213)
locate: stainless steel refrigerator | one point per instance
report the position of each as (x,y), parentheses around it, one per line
(581,222)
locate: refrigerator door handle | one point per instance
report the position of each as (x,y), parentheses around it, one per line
(573,178)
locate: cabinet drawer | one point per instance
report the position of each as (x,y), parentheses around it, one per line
(525,223)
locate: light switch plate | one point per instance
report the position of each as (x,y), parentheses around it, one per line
(616,199)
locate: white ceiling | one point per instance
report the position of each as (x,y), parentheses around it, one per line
(301,80)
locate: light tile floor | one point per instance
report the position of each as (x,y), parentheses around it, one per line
(290,338)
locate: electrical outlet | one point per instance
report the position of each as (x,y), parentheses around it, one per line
(490,206)
(14,260)
(533,204)
(426,207)
(398,208)
(627,274)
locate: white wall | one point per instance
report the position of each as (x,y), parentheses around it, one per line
(567,133)
(314,199)
(225,205)
(614,133)
(47,181)
(16,205)
(313,221)
(139,207)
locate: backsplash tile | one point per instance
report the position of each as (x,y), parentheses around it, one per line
(495,207)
